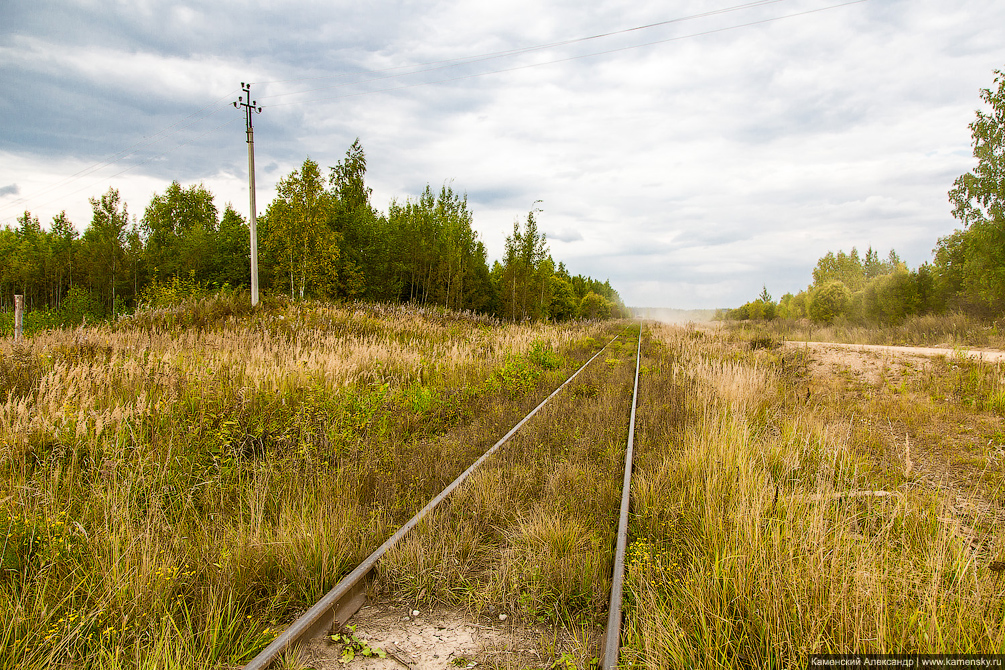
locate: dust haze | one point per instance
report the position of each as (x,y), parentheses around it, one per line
(673,316)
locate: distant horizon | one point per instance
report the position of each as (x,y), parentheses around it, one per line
(674,315)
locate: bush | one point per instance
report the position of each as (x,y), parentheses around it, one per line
(829,301)
(594,306)
(78,304)
(175,291)
(890,298)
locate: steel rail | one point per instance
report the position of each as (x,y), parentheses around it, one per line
(349,594)
(612,638)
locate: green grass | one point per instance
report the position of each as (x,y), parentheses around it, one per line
(749,549)
(177,485)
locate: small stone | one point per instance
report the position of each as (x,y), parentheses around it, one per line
(502,617)
(415,612)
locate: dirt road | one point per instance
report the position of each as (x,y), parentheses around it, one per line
(982,354)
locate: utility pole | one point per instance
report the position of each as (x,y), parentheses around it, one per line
(249,107)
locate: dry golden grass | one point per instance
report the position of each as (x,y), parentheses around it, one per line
(931,330)
(532,533)
(175,486)
(760,539)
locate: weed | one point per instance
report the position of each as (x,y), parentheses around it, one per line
(353,645)
(20,373)
(543,355)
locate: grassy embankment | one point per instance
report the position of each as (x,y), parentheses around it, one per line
(759,535)
(176,485)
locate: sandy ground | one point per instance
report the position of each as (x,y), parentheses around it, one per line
(950,455)
(439,638)
(867,362)
(983,354)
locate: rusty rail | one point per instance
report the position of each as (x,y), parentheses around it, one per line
(346,597)
(612,638)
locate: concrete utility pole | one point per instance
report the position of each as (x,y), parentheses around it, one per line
(249,107)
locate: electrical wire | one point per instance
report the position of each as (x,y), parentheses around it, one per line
(180,125)
(111,159)
(572,58)
(143,162)
(467,60)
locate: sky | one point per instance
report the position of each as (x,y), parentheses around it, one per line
(690,152)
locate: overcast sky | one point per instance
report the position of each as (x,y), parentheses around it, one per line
(688,162)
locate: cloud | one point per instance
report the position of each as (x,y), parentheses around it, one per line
(10,189)
(689,173)
(565,235)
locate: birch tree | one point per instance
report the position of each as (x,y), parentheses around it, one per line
(300,237)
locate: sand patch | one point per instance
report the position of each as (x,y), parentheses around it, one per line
(439,638)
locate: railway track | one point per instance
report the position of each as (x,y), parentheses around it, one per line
(336,607)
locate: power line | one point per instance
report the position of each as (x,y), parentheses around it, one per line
(180,125)
(468,60)
(136,165)
(572,58)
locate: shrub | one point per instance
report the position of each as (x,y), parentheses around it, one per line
(829,301)
(594,306)
(78,304)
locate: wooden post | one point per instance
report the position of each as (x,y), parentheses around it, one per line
(18,317)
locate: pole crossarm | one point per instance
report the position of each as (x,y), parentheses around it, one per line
(249,107)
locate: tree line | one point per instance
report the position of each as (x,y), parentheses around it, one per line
(320,238)
(967,271)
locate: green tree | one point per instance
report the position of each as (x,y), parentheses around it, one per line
(846,268)
(595,306)
(104,245)
(890,298)
(233,244)
(180,227)
(8,273)
(299,234)
(64,248)
(978,200)
(29,261)
(792,306)
(564,305)
(829,301)
(524,292)
(362,263)
(769,309)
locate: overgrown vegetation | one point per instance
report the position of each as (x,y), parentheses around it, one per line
(785,506)
(532,533)
(176,485)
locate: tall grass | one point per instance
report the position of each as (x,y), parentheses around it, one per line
(757,542)
(531,534)
(177,484)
